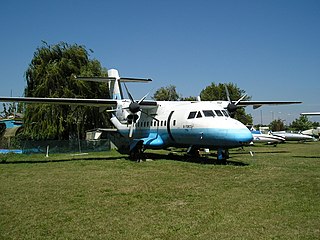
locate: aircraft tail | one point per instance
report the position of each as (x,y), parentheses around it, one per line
(113,81)
(114,86)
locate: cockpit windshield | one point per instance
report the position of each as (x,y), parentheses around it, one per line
(225,113)
(219,113)
(208,113)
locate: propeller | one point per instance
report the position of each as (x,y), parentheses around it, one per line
(134,108)
(232,107)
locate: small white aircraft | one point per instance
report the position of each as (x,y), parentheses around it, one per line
(268,138)
(312,132)
(162,124)
(292,136)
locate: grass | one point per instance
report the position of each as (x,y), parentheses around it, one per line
(272,195)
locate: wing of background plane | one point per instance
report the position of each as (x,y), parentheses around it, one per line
(257,104)
(311,113)
(64,101)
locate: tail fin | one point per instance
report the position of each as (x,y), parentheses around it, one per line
(113,81)
(114,86)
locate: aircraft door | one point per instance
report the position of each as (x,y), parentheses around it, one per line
(171,123)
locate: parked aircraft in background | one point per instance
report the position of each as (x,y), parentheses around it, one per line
(268,138)
(312,132)
(161,124)
(291,136)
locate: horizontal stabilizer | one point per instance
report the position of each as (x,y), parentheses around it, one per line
(107,79)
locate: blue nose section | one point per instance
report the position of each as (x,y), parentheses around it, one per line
(239,137)
(245,136)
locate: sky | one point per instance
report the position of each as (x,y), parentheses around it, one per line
(270,49)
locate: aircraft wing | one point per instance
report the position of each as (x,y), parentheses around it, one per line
(64,101)
(148,103)
(257,104)
(311,113)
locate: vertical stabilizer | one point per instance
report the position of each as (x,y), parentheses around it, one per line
(114,86)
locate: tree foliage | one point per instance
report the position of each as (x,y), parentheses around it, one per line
(51,74)
(301,124)
(168,93)
(215,92)
(277,125)
(190,98)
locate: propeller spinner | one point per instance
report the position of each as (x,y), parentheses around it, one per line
(232,107)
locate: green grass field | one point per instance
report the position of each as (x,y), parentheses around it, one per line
(273,195)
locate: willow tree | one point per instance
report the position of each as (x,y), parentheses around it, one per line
(51,74)
(215,92)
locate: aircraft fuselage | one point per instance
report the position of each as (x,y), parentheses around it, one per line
(184,124)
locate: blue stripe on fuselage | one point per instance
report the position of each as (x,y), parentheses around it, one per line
(202,137)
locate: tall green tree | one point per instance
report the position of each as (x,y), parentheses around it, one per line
(277,125)
(168,93)
(301,124)
(51,74)
(215,92)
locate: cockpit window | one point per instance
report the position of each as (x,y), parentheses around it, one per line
(225,113)
(199,115)
(192,115)
(208,113)
(218,112)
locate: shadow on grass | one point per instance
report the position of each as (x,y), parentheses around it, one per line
(207,159)
(192,159)
(306,157)
(71,159)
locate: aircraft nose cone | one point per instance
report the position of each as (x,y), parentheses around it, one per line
(239,136)
(244,136)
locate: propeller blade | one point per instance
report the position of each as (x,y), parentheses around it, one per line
(240,99)
(150,116)
(142,99)
(131,130)
(130,96)
(227,92)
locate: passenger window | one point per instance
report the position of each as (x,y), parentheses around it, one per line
(218,112)
(199,115)
(225,113)
(161,123)
(165,123)
(208,113)
(192,115)
(174,122)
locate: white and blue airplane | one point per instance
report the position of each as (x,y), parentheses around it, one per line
(268,138)
(152,124)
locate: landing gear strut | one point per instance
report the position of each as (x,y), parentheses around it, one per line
(223,154)
(193,151)
(136,153)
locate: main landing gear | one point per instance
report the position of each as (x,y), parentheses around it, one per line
(137,152)
(222,154)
